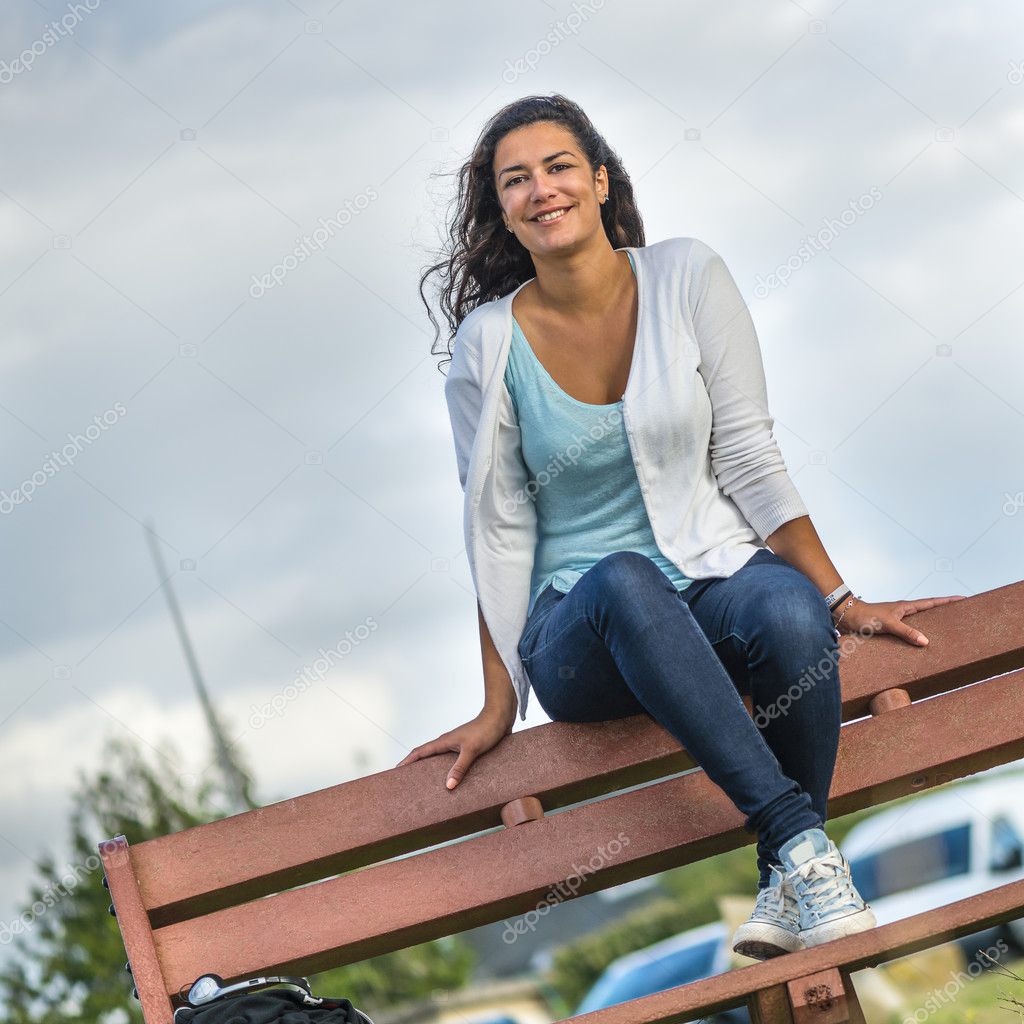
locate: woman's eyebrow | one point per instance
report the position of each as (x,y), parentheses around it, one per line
(520,167)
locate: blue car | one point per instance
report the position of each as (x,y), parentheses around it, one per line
(699,953)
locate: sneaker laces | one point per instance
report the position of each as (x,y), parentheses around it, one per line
(826,883)
(777,901)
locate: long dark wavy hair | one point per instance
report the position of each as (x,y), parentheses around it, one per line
(481,259)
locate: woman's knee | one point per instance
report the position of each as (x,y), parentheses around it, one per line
(627,590)
(628,573)
(794,624)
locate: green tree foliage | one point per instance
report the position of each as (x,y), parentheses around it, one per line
(406,974)
(68,958)
(64,958)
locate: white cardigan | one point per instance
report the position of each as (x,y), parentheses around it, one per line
(696,414)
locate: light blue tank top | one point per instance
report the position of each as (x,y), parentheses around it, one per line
(581,476)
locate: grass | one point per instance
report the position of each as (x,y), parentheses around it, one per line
(995,996)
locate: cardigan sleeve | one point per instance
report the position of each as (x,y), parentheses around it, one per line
(745,456)
(463,393)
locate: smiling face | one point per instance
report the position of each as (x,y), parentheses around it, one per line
(539,171)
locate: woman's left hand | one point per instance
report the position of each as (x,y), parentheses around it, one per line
(887,617)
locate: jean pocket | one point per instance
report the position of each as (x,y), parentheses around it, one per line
(536,616)
(539,647)
(524,647)
(533,624)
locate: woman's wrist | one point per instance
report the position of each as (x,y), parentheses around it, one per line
(500,707)
(500,700)
(840,610)
(498,717)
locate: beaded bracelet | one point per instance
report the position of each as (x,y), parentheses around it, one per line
(846,607)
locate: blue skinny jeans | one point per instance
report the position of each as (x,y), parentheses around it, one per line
(623,641)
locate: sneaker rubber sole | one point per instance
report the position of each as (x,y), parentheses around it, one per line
(762,941)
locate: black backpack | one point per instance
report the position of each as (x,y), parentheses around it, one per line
(272,1006)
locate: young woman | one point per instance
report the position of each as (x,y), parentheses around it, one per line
(634,539)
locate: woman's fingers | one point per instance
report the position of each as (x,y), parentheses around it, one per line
(930,602)
(458,771)
(469,741)
(438,746)
(907,632)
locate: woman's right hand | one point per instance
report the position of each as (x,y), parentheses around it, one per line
(469,741)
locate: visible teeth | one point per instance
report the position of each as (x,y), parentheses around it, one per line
(552,216)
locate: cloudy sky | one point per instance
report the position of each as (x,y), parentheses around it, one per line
(291,445)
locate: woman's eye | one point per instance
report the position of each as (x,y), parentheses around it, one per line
(512,181)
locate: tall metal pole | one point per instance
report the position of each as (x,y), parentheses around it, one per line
(235,780)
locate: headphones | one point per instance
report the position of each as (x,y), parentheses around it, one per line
(210,987)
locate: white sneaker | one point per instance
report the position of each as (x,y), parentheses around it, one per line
(773,927)
(829,904)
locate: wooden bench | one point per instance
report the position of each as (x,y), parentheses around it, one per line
(275,889)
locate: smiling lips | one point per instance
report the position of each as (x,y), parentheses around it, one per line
(552,217)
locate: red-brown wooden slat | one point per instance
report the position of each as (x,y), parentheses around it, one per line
(135,931)
(508,872)
(394,812)
(854,953)
(969,640)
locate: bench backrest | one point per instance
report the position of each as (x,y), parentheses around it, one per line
(355,870)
